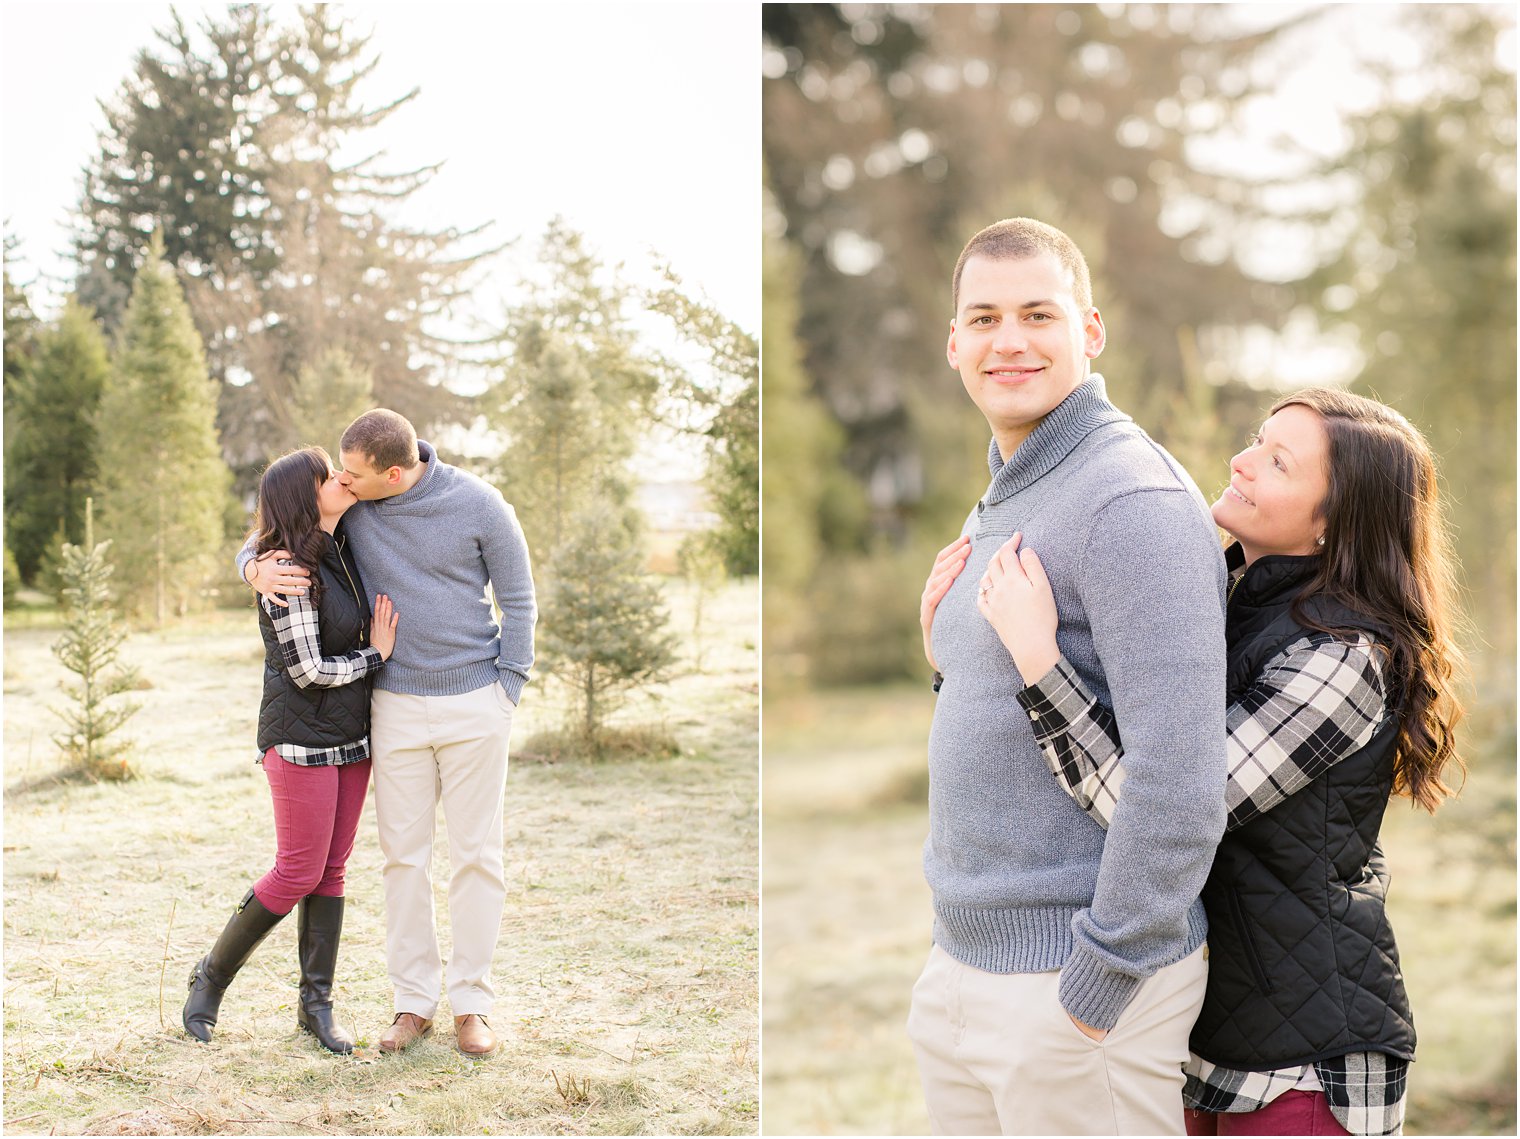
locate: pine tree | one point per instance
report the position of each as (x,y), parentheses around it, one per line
(604,625)
(724,395)
(577,388)
(555,465)
(89,648)
(163,485)
(20,334)
(50,462)
(284,250)
(807,495)
(1434,247)
(733,477)
(329,394)
(579,309)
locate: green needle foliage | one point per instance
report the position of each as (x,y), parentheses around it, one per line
(163,485)
(89,648)
(603,627)
(328,395)
(227,135)
(50,464)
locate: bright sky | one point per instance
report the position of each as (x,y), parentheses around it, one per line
(638,122)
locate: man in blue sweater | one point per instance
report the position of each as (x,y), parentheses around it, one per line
(434,538)
(1068,964)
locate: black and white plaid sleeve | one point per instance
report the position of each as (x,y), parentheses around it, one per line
(1078,738)
(1366,1091)
(301,648)
(1317,702)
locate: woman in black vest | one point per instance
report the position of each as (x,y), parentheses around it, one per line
(313,741)
(1341,694)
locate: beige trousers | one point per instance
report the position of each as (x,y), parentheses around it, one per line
(452,748)
(998,1054)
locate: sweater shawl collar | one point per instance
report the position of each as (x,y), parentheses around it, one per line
(428,456)
(1072,420)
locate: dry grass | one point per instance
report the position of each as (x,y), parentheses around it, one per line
(625,974)
(847,923)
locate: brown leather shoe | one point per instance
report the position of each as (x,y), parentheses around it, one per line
(405,1030)
(475,1038)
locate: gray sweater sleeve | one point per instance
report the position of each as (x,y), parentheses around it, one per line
(505,552)
(1152,586)
(244,556)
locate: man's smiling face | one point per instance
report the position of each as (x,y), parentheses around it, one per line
(1020,342)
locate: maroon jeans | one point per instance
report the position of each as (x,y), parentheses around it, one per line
(1292,1113)
(316,815)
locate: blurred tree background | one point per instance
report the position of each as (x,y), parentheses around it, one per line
(1268,197)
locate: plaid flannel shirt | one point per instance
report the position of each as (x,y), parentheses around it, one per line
(301,655)
(1317,702)
(1365,1090)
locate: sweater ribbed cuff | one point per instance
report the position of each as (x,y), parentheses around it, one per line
(513,683)
(1097,993)
(1094,993)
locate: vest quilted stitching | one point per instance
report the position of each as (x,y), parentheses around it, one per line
(319,717)
(1302,962)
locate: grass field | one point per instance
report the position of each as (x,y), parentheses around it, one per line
(625,974)
(847,922)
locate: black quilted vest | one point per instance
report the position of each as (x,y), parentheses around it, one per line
(320,717)
(1302,963)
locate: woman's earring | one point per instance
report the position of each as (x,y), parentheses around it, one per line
(1320,541)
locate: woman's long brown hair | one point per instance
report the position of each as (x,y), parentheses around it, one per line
(288,517)
(1387,554)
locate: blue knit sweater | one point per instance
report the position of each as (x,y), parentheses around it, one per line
(433,550)
(1023,880)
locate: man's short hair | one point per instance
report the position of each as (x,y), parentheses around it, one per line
(383,437)
(1013,239)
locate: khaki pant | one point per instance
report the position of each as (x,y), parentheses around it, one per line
(998,1054)
(453,748)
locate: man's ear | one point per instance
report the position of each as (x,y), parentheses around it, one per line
(950,352)
(1094,337)
(392,475)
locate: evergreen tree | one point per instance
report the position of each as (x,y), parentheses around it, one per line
(20,335)
(604,623)
(49,579)
(576,302)
(89,648)
(328,395)
(283,250)
(554,466)
(577,388)
(733,477)
(1427,279)
(807,495)
(725,395)
(50,462)
(163,485)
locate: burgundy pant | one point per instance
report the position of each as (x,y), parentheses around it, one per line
(1292,1113)
(316,815)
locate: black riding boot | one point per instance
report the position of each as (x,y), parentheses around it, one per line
(321,926)
(249,925)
